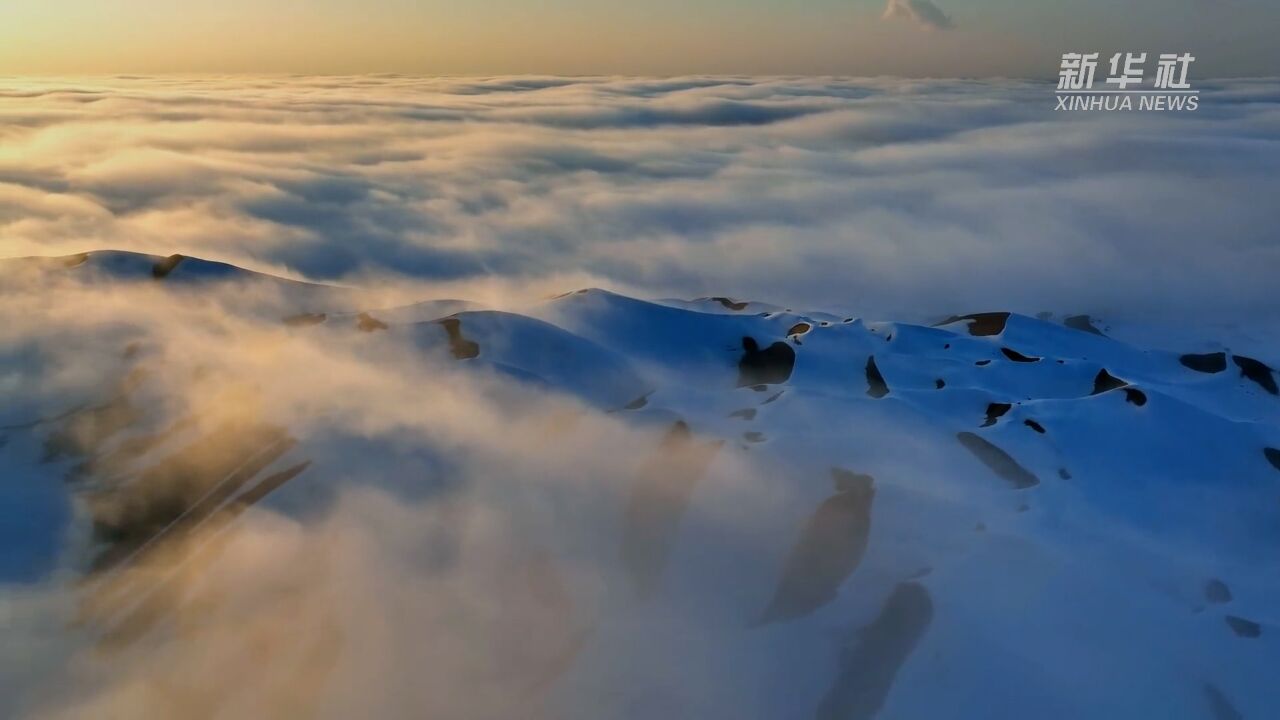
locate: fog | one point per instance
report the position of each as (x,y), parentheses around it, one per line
(884,197)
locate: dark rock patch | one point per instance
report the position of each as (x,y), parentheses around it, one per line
(745,413)
(753,436)
(179,492)
(871,660)
(1219,706)
(1034,425)
(152,522)
(981,324)
(1217,592)
(759,388)
(773,397)
(114,593)
(1135,396)
(1273,456)
(115,462)
(1205,362)
(829,549)
(994,412)
(637,403)
(849,481)
(730,304)
(1257,371)
(462,348)
(1016,356)
(982,363)
(1064,473)
(824,323)
(305,319)
(270,484)
(1083,323)
(764,367)
(846,321)
(659,497)
(368,323)
(999,461)
(83,431)
(799,328)
(876,386)
(939,383)
(1242,627)
(162,268)
(1105,381)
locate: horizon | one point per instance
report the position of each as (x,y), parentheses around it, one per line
(1046,78)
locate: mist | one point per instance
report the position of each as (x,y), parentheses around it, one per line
(887,198)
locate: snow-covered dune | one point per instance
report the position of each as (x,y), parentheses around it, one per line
(603,506)
(112,269)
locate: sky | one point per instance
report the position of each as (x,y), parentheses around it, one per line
(915,38)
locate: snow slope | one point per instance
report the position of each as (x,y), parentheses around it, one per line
(708,508)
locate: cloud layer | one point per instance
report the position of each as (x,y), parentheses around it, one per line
(868,196)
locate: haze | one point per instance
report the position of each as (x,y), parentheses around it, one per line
(949,38)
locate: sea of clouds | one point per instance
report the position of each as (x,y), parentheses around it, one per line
(879,197)
(876,196)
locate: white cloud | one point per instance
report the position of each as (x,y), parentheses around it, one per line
(880,196)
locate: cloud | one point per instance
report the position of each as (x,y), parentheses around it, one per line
(409,574)
(454,548)
(873,196)
(420,566)
(922,12)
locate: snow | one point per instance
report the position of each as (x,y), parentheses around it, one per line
(967,595)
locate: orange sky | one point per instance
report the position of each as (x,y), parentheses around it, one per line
(857,37)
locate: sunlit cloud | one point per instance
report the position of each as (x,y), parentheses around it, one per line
(921,196)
